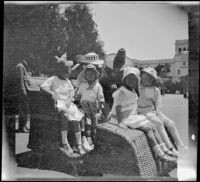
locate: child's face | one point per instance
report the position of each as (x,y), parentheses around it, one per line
(146,80)
(90,75)
(65,73)
(131,81)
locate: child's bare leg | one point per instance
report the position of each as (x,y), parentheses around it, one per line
(148,131)
(161,129)
(171,126)
(169,149)
(156,147)
(77,130)
(156,134)
(85,143)
(64,133)
(160,142)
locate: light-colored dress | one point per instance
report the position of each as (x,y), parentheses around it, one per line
(149,105)
(64,94)
(90,96)
(149,100)
(128,101)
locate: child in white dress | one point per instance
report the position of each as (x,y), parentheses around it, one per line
(124,110)
(149,105)
(62,91)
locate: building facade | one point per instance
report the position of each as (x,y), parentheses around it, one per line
(178,65)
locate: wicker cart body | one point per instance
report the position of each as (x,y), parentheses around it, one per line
(126,153)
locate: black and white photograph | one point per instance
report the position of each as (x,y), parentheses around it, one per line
(100,90)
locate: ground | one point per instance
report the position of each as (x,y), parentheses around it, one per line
(174,106)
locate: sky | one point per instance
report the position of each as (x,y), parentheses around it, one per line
(145,30)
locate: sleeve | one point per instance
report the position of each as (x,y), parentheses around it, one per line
(158,101)
(48,83)
(120,99)
(20,73)
(80,77)
(72,93)
(100,94)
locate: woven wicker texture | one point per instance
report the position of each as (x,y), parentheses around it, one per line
(133,149)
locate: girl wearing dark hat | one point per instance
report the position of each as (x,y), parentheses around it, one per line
(62,91)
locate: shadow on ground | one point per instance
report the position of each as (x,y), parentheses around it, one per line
(56,161)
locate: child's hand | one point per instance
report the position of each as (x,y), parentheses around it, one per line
(123,126)
(99,116)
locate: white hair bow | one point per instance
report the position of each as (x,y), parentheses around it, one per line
(62,58)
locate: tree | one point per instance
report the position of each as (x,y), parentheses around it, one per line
(38,33)
(162,70)
(82,31)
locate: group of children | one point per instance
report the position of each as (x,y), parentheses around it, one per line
(136,105)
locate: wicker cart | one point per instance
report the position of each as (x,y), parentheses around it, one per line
(118,152)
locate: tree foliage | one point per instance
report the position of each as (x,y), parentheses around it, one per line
(38,33)
(162,70)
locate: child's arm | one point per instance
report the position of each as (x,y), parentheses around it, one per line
(46,87)
(78,95)
(100,100)
(158,101)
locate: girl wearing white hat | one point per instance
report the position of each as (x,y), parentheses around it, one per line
(149,105)
(124,110)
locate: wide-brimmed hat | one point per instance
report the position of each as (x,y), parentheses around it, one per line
(63,59)
(131,70)
(92,58)
(150,71)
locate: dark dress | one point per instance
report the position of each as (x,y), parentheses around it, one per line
(22,70)
(107,79)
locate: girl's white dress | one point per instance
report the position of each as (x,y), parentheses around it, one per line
(128,101)
(64,94)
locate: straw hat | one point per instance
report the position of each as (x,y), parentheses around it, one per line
(150,71)
(131,70)
(92,58)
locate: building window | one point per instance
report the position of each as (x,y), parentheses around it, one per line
(184,63)
(184,49)
(178,72)
(179,50)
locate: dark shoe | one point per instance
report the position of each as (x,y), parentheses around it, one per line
(23,130)
(27,128)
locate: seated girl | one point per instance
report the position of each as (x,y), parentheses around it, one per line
(124,111)
(149,105)
(62,91)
